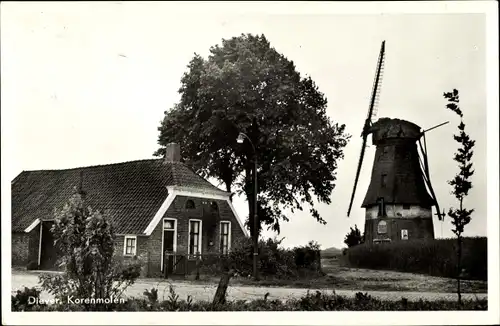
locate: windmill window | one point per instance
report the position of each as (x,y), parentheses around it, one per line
(190,204)
(382,227)
(384,180)
(381,207)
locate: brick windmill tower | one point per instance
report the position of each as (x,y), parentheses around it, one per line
(398,202)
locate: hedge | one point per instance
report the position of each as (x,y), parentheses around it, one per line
(433,257)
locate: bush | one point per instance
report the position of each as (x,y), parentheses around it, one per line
(85,239)
(433,257)
(354,237)
(20,301)
(274,260)
(32,265)
(318,301)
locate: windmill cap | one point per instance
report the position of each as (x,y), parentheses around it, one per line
(387,128)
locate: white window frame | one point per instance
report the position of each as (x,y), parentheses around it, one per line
(200,244)
(125,245)
(40,245)
(228,235)
(163,237)
(403,231)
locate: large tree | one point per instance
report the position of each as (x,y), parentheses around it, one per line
(245,85)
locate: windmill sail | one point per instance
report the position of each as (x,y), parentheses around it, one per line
(427,177)
(372,110)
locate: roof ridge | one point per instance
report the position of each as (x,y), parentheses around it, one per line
(199,176)
(91,166)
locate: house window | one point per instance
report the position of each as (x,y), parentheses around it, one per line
(384,180)
(225,236)
(130,245)
(194,237)
(189,204)
(168,224)
(382,227)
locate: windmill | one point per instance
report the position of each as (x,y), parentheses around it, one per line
(400,196)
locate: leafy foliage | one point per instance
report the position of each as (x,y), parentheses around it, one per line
(317,301)
(274,261)
(245,85)
(461,183)
(84,238)
(20,301)
(354,237)
(432,257)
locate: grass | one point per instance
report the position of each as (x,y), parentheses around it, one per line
(344,278)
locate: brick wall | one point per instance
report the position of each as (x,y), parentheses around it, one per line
(141,252)
(20,243)
(210,228)
(25,247)
(418,228)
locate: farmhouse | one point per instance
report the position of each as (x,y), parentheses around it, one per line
(160,209)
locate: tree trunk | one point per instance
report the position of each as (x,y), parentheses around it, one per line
(220,294)
(459,267)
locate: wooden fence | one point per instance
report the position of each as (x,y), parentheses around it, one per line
(181,264)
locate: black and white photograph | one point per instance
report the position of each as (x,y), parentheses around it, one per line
(247,157)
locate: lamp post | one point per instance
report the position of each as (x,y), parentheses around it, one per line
(240,140)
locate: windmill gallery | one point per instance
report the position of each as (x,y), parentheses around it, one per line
(398,202)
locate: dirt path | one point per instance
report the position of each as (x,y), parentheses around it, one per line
(206,292)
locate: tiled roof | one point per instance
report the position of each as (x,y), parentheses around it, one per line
(131,192)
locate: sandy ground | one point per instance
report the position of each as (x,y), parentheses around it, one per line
(20,279)
(394,281)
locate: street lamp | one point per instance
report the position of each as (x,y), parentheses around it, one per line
(240,140)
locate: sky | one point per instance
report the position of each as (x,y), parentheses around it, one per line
(86,84)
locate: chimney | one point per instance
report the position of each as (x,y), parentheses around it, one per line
(173,153)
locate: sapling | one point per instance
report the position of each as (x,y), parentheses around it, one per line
(461,183)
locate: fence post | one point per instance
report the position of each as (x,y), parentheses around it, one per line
(149,264)
(197,266)
(165,265)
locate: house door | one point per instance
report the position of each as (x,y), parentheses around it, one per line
(48,252)
(169,245)
(168,250)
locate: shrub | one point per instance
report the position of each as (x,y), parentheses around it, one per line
(433,257)
(318,301)
(354,237)
(308,257)
(274,260)
(20,301)
(85,239)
